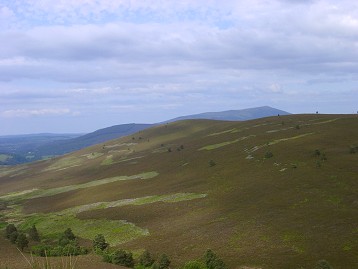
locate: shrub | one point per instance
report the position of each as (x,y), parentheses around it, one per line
(99,242)
(22,241)
(33,234)
(164,262)
(212,261)
(268,155)
(121,257)
(13,237)
(9,230)
(145,259)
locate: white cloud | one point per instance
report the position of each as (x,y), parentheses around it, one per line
(15,113)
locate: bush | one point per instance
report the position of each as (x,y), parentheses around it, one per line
(99,242)
(13,237)
(164,262)
(22,241)
(145,259)
(121,257)
(212,261)
(268,155)
(33,234)
(9,230)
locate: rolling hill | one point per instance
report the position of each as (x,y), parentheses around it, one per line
(28,148)
(277,192)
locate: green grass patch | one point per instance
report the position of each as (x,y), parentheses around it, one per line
(108,160)
(2,225)
(234,130)
(52,225)
(288,138)
(65,163)
(35,193)
(93,155)
(223,144)
(169,198)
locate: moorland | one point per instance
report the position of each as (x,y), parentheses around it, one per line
(276,192)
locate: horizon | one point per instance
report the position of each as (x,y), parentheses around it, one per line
(75,67)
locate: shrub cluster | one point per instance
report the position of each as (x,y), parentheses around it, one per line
(16,237)
(67,245)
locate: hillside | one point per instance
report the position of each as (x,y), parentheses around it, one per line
(277,192)
(236,115)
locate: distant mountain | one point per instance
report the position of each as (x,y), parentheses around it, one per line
(236,115)
(26,148)
(65,146)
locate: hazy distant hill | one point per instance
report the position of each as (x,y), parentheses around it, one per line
(236,115)
(26,148)
(99,136)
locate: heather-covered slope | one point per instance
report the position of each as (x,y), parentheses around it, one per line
(278,192)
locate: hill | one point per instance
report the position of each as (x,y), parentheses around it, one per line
(28,148)
(65,146)
(236,115)
(278,192)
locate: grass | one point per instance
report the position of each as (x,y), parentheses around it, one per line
(93,155)
(223,144)
(36,193)
(259,213)
(52,225)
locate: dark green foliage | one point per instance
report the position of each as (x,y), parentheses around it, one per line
(317,152)
(212,163)
(164,262)
(56,251)
(194,265)
(99,242)
(69,234)
(268,155)
(145,259)
(297,127)
(323,157)
(13,237)
(121,257)
(323,264)
(212,261)
(22,241)
(33,234)
(9,230)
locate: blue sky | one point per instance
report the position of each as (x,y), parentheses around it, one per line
(77,66)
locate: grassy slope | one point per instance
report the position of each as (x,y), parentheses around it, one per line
(283,212)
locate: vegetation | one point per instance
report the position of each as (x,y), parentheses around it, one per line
(237,207)
(99,243)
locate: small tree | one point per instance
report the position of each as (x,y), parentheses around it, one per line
(69,234)
(123,258)
(164,262)
(212,261)
(99,242)
(22,241)
(33,234)
(9,230)
(13,237)
(145,259)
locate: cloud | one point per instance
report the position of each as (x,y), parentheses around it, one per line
(16,113)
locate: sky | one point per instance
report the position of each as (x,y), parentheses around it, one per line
(74,66)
